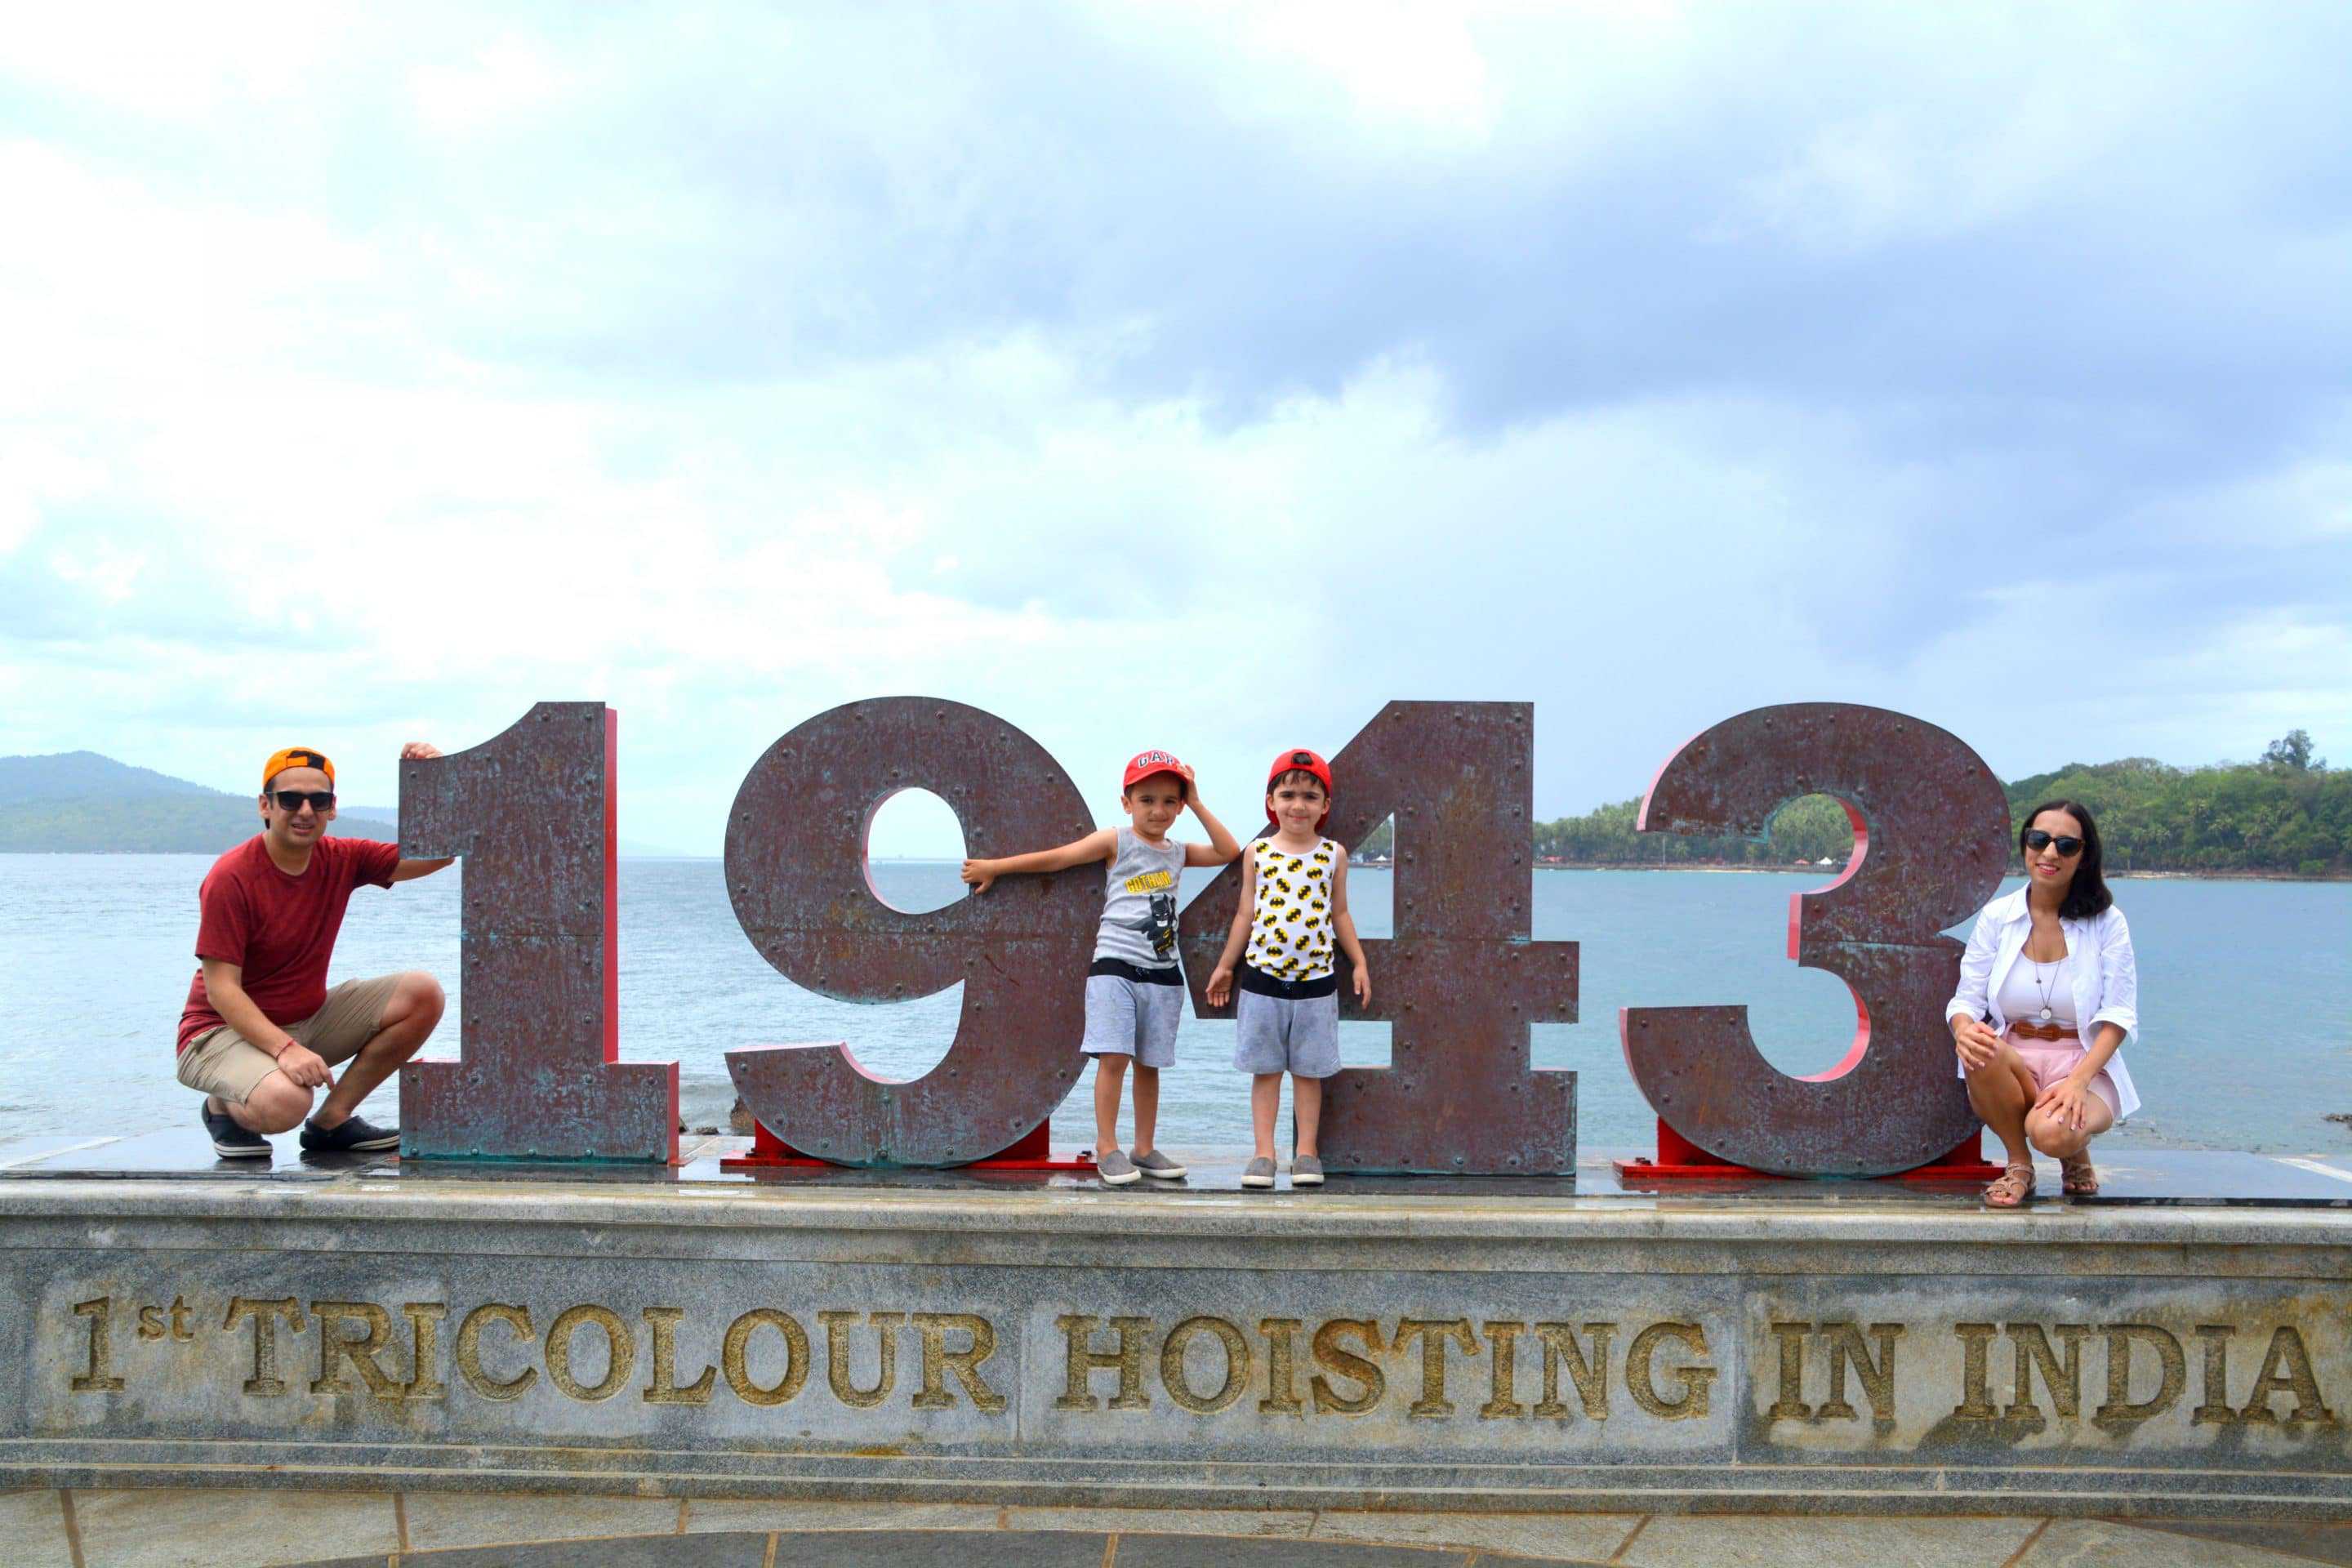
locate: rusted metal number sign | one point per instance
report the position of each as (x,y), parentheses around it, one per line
(1460,982)
(1931,833)
(531,812)
(796,871)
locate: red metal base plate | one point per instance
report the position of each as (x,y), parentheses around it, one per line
(1680,1159)
(1033,1152)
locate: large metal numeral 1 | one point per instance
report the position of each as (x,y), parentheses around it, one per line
(1931,833)
(531,811)
(796,871)
(1460,982)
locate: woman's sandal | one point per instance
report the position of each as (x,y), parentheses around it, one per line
(2013,1187)
(2077,1175)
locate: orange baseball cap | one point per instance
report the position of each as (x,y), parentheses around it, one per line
(296,757)
(1143,764)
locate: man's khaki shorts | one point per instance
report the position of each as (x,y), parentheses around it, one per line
(223,1062)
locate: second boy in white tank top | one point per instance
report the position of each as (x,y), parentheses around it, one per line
(1293,914)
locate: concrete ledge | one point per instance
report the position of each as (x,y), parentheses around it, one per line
(162,1526)
(32,1524)
(1069,1349)
(388,1195)
(227,1529)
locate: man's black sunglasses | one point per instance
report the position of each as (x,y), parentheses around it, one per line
(292,799)
(2036,839)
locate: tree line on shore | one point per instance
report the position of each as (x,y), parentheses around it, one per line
(2285,814)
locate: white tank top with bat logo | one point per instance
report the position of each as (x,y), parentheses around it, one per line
(1290,927)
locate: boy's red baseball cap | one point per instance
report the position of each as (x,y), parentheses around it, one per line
(1143,764)
(1301,760)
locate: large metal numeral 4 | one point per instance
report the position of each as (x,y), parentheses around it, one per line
(531,811)
(796,872)
(1931,835)
(1460,982)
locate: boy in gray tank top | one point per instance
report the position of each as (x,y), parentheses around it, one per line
(1135,989)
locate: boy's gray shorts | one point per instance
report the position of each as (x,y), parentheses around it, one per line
(1274,1034)
(1133,1018)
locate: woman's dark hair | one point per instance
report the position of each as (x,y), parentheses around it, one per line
(2087,895)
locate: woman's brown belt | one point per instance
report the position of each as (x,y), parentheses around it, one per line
(2044,1031)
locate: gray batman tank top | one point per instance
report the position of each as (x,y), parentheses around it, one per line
(1138,917)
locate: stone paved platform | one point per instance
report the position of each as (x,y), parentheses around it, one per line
(2129,1177)
(215,1529)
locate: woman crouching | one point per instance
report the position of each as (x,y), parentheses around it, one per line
(2050,965)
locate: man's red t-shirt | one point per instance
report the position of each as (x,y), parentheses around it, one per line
(280,929)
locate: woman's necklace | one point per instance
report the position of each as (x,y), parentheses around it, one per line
(2042,982)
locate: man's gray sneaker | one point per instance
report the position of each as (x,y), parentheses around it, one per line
(1306,1171)
(1159,1164)
(351,1135)
(1258,1173)
(232,1140)
(1116,1169)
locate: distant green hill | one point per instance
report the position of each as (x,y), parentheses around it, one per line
(2288,814)
(79,802)
(82,802)
(68,775)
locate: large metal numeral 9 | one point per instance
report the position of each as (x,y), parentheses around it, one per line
(1931,833)
(531,811)
(1460,982)
(796,872)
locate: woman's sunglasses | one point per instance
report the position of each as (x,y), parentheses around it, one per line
(324,799)
(2036,839)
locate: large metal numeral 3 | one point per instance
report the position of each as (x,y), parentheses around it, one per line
(1460,982)
(531,811)
(1931,835)
(796,872)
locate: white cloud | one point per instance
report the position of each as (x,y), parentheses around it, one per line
(1394,58)
(176,62)
(43,462)
(511,78)
(106,568)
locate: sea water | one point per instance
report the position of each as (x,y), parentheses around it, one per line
(2245,994)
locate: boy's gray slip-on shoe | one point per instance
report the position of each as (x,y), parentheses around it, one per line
(1306,1171)
(1116,1169)
(1258,1173)
(1159,1164)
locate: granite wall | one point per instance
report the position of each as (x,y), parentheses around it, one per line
(1077,1348)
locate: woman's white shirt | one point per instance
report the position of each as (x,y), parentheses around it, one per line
(2103,978)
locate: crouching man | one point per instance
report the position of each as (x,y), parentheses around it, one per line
(261,1030)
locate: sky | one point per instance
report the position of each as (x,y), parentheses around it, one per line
(1157,375)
